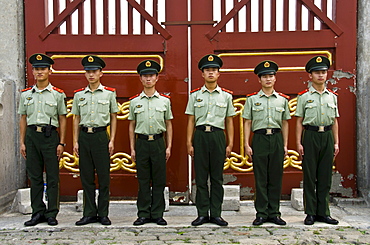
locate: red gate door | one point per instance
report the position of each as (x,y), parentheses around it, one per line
(123,32)
(289,33)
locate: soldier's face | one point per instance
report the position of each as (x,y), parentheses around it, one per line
(318,77)
(149,80)
(267,81)
(93,76)
(41,73)
(211,74)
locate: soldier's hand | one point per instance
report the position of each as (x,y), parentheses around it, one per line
(285,150)
(111,148)
(168,154)
(60,150)
(23,151)
(133,155)
(249,152)
(228,151)
(75,149)
(191,151)
(300,150)
(336,150)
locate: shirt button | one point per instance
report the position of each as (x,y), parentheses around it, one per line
(92,102)
(92,120)
(322,113)
(151,126)
(150,108)
(39,101)
(39,111)
(92,111)
(209,113)
(150,117)
(322,122)
(207,121)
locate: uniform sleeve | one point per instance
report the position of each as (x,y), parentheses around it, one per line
(75,108)
(336,103)
(131,114)
(113,103)
(230,107)
(286,115)
(62,108)
(299,112)
(190,107)
(247,112)
(168,115)
(22,108)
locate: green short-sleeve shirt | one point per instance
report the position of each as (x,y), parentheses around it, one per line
(210,108)
(150,113)
(41,105)
(266,111)
(317,109)
(95,107)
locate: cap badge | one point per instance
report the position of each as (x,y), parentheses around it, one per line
(90,59)
(267,64)
(148,64)
(38,57)
(210,58)
(318,60)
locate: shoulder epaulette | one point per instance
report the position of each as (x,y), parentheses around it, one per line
(133,97)
(58,89)
(303,92)
(227,91)
(26,89)
(78,90)
(332,92)
(252,94)
(284,95)
(194,90)
(167,96)
(110,89)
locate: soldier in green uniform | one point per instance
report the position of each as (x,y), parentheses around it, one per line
(209,109)
(150,132)
(43,109)
(266,113)
(94,108)
(317,140)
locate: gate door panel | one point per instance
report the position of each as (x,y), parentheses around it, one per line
(288,32)
(123,32)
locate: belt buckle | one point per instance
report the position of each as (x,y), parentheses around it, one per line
(208,128)
(90,130)
(321,129)
(39,129)
(150,137)
(268,131)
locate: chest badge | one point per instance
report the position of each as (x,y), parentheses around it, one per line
(29,98)
(82,99)
(139,106)
(199,100)
(257,104)
(310,101)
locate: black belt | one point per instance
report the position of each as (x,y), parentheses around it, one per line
(150,137)
(267,131)
(318,128)
(92,130)
(40,128)
(208,128)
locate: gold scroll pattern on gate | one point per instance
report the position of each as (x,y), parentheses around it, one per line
(237,161)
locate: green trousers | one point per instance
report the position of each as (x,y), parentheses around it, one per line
(268,157)
(42,154)
(151,172)
(317,167)
(209,158)
(94,158)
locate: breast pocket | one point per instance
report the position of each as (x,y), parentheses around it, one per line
(199,108)
(50,108)
(331,109)
(30,106)
(139,114)
(220,109)
(310,110)
(103,106)
(159,112)
(82,105)
(258,112)
(279,113)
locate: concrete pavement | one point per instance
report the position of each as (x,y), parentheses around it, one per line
(353,228)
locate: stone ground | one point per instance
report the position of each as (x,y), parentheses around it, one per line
(354,227)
